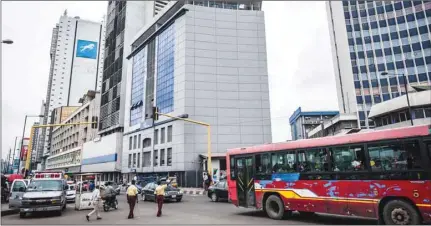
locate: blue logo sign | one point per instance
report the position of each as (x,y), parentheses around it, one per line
(86,49)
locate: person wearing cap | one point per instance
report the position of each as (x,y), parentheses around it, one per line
(132,192)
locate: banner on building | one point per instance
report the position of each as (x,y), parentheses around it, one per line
(24,149)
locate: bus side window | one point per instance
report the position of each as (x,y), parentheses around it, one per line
(263,167)
(232,168)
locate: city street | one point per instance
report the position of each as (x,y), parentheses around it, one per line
(192,210)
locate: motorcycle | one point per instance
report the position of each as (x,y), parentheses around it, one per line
(110,203)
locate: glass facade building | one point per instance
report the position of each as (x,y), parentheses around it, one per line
(391,37)
(139,72)
(165,70)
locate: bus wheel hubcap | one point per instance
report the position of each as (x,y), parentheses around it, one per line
(274,207)
(400,216)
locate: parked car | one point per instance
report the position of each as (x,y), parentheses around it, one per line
(116,187)
(71,192)
(218,191)
(171,193)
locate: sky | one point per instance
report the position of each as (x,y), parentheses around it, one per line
(300,64)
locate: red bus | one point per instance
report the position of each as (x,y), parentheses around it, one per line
(383,175)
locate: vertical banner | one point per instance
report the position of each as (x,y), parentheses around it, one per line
(24,149)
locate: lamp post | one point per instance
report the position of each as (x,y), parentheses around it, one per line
(7,41)
(23,133)
(407,93)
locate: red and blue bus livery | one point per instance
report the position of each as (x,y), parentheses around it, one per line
(381,174)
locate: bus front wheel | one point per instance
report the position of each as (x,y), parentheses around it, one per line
(400,212)
(274,207)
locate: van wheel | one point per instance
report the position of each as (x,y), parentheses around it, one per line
(21,215)
(274,208)
(400,212)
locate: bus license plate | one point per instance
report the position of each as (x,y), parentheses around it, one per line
(174,196)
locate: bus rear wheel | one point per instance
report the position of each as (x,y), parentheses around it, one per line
(274,207)
(399,212)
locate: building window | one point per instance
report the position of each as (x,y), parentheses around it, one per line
(139,141)
(155,161)
(130,143)
(418,113)
(162,136)
(134,142)
(165,71)
(146,143)
(162,157)
(139,158)
(134,160)
(130,161)
(169,133)
(139,70)
(156,136)
(146,159)
(169,156)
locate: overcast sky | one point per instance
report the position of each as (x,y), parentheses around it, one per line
(298,48)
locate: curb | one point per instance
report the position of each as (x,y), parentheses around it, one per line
(9,212)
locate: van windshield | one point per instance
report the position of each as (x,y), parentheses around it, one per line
(45,185)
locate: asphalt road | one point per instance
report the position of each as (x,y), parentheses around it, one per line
(192,210)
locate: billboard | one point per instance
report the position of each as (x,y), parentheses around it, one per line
(24,149)
(86,49)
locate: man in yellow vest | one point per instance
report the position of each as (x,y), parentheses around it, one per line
(160,196)
(132,192)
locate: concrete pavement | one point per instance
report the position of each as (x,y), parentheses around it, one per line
(193,210)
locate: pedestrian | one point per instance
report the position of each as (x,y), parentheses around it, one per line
(95,198)
(160,195)
(132,192)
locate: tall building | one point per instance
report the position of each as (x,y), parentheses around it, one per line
(124,19)
(76,65)
(372,37)
(302,122)
(34,141)
(204,59)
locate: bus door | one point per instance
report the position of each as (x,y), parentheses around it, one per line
(245,181)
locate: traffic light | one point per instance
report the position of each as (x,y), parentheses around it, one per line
(155,116)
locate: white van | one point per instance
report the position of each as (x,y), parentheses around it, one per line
(16,192)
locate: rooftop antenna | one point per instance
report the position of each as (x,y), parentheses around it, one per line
(65,12)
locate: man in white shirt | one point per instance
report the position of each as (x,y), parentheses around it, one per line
(95,198)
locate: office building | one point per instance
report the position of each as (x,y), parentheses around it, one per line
(206,60)
(374,37)
(76,65)
(124,19)
(67,141)
(302,122)
(394,113)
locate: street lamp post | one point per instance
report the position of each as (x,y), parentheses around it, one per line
(407,93)
(13,156)
(7,41)
(23,133)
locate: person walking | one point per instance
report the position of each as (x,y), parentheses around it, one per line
(95,198)
(132,192)
(160,195)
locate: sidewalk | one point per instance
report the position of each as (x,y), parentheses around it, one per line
(6,211)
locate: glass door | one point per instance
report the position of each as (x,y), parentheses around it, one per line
(245,181)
